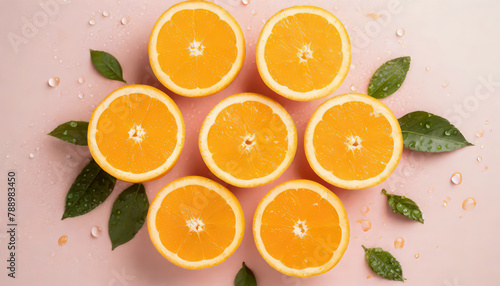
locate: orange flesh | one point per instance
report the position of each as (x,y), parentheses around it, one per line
(195,202)
(125,113)
(283,52)
(322,237)
(176,59)
(373,151)
(248,140)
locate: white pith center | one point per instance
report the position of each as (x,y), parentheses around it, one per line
(195,224)
(300,228)
(137,133)
(305,53)
(196,48)
(248,142)
(353,143)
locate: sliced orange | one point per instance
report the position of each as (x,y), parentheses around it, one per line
(301,228)
(353,141)
(248,140)
(196,48)
(195,222)
(136,134)
(303,53)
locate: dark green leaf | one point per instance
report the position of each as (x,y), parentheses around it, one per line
(107,65)
(128,214)
(389,77)
(91,187)
(245,277)
(72,131)
(404,206)
(423,131)
(383,264)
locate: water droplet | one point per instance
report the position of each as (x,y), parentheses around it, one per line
(73,124)
(428,68)
(32,155)
(486,122)
(369,277)
(249,28)
(365,210)
(399,242)
(353,87)
(81,95)
(417,256)
(400,32)
(92,22)
(479,133)
(124,20)
(456,178)
(253,12)
(406,171)
(89,85)
(469,204)
(245,2)
(96,231)
(479,158)
(447,132)
(81,79)
(427,125)
(482,146)
(366,225)
(444,84)
(54,81)
(62,240)
(105,13)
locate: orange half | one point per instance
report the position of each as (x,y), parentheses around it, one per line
(301,228)
(353,141)
(195,222)
(136,133)
(196,48)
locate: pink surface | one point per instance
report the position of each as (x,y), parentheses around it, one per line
(458,41)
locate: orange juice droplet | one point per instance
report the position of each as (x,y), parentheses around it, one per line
(62,240)
(469,204)
(399,242)
(365,210)
(369,277)
(417,256)
(366,225)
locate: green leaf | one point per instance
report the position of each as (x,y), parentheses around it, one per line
(423,131)
(128,214)
(107,65)
(389,77)
(383,264)
(91,187)
(245,277)
(404,206)
(72,131)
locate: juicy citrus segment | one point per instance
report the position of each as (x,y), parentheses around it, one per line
(195,222)
(353,141)
(196,48)
(136,133)
(303,53)
(248,140)
(301,228)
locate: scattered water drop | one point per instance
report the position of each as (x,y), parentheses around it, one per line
(124,20)
(253,12)
(105,13)
(482,146)
(365,210)
(245,2)
(249,28)
(399,242)
(369,277)
(366,225)
(486,122)
(81,95)
(32,155)
(89,85)
(92,22)
(353,87)
(81,79)
(479,158)
(469,204)
(54,81)
(479,133)
(62,240)
(353,66)
(96,231)
(444,84)
(446,201)
(400,32)
(417,256)
(428,68)
(427,125)
(456,178)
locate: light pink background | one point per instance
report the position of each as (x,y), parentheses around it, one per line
(458,39)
